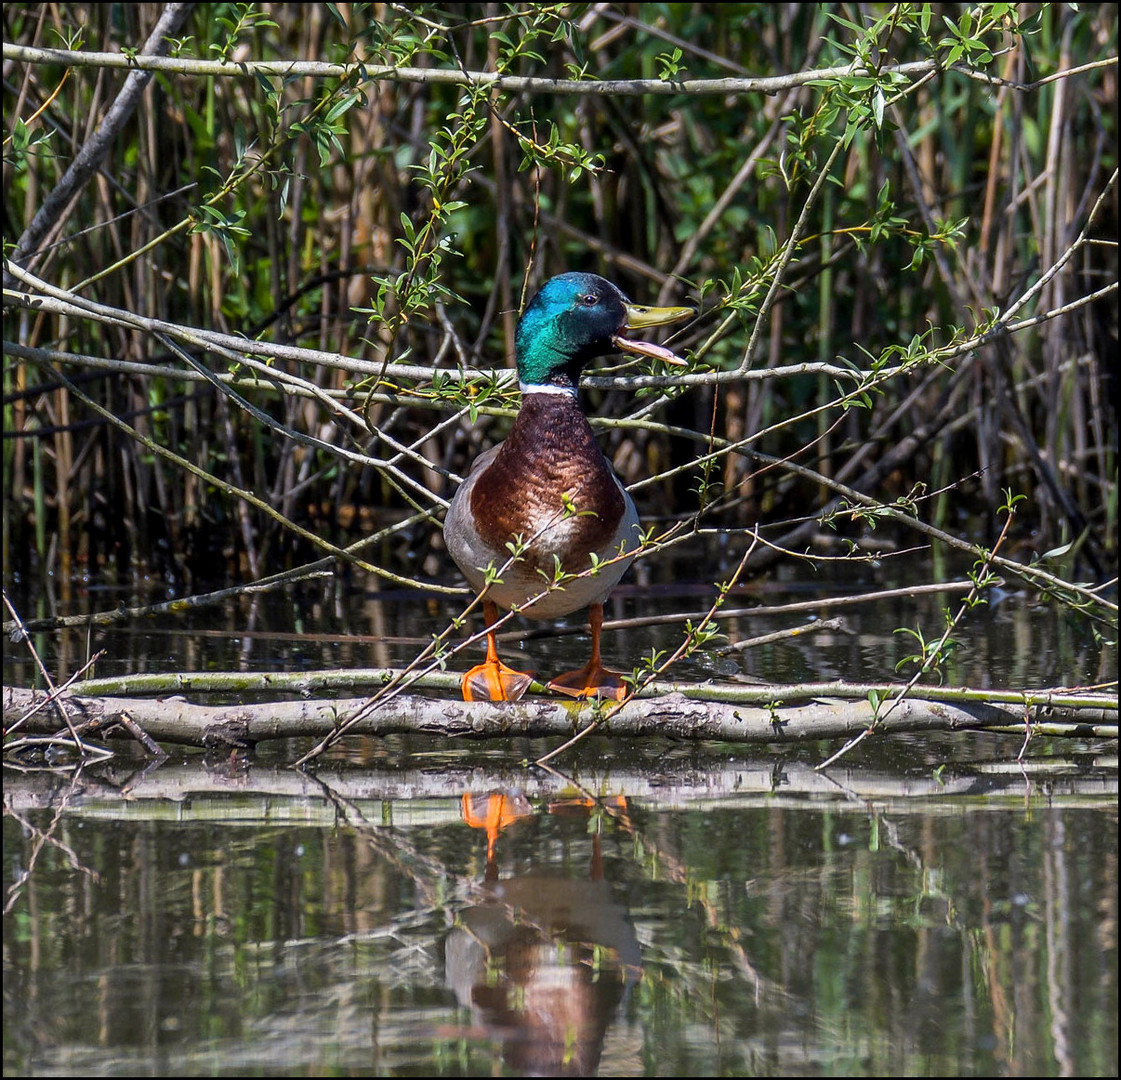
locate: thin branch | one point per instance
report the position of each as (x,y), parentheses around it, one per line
(84,165)
(247,496)
(514,84)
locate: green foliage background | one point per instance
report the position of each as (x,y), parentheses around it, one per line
(901,237)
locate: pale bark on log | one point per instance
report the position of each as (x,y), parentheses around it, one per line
(178,721)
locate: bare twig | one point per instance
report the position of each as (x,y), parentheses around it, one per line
(51,214)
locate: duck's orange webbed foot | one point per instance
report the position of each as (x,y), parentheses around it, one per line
(591,681)
(494,681)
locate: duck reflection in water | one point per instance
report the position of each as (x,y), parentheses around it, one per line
(542,961)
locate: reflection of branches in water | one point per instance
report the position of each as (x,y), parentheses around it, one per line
(663,865)
(426,872)
(682,781)
(41,838)
(693,924)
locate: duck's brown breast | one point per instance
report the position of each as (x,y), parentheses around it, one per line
(551,450)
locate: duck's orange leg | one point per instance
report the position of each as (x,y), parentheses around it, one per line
(593,679)
(492,680)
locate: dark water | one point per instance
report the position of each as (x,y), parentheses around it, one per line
(929,905)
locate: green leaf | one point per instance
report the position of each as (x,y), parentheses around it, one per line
(341,107)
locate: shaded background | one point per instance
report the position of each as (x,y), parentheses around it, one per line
(285,208)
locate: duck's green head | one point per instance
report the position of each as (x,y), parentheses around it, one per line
(576,318)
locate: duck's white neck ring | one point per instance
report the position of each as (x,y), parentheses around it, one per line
(546,388)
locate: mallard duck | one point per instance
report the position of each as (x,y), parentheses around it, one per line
(545,504)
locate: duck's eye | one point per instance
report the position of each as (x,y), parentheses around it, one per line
(589,299)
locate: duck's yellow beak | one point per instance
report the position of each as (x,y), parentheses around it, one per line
(638,317)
